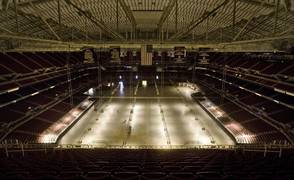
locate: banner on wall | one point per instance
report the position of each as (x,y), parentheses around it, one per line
(203,58)
(115,54)
(146,55)
(123,53)
(171,53)
(89,56)
(180,54)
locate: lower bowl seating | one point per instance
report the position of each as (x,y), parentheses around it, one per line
(146,164)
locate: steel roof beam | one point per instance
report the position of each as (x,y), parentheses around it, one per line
(243,28)
(265,4)
(45,21)
(5,4)
(258,3)
(128,12)
(110,32)
(166,13)
(35,2)
(289,30)
(195,23)
(6,30)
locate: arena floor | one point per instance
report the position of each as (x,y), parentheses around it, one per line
(155,117)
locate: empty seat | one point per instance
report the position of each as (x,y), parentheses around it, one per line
(98,174)
(67,174)
(151,168)
(131,168)
(126,175)
(181,175)
(209,174)
(153,175)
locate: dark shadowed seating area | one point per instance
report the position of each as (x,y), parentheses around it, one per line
(147,164)
(147,89)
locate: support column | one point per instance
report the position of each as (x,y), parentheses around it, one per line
(276,16)
(221,35)
(161,74)
(117,18)
(86,30)
(69,78)
(223,81)
(99,85)
(16,15)
(206,31)
(59,14)
(234,16)
(6,149)
(194,72)
(176,18)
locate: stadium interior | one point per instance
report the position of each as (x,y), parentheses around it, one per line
(147,89)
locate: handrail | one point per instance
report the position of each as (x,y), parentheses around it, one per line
(51,73)
(15,146)
(258,76)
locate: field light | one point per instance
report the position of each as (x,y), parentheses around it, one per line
(48,138)
(13,89)
(234,126)
(157,77)
(219,114)
(136,77)
(58,127)
(121,87)
(247,137)
(67,119)
(144,83)
(213,107)
(86,103)
(120,77)
(75,113)
(203,139)
(91,91)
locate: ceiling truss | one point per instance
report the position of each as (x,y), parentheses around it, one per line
(210,21)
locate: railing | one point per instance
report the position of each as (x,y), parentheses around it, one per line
(7,148)
(10,146)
